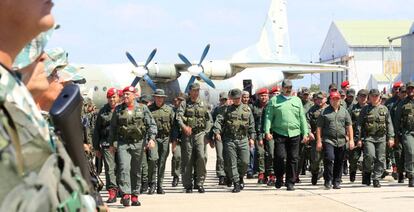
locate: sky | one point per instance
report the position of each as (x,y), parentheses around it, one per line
(100,31)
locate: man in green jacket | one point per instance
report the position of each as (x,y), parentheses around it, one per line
(285,121)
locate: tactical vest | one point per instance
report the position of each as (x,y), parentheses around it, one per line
(355,112)
(162,117)
(195,117)
(131,124)
(376,124)
(106,117)
(236,121)
(407,116)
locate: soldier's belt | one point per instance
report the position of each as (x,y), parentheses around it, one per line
(235,136)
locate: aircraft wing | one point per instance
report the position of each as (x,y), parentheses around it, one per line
(292,68)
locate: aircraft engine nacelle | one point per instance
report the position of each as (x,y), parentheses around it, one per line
(162,72)
(218,70)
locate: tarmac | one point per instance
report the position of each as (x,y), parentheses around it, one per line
(307,197)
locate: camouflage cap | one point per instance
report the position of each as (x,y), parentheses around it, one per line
(320,95)
(70,73)
(57,57)
(235,93)
(350,92)
(194,86)
(341,92)
(223,95)
(305,90)
(159,93)
(181,96)
(409,84)
(333,86)
(32,50)
(403,89)
(374,92)
(384,96)
(363,92)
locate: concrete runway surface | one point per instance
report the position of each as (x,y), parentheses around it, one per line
(352,197)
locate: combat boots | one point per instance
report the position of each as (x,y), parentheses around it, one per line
(261,178)
(144,187)
(175,181)
(376,184)
(314,179)
(394,172)
(366,179)
(352,176)
(134,201)
(271,180)
(160,190)
(241,182)
(125,200)
(112,195)
(410,182)
(278,183)
(151,189)
(401,177)
(221,181)
(236,188)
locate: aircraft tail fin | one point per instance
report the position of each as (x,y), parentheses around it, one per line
(274,39)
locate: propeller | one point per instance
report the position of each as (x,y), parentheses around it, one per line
(141,72)
(197,70)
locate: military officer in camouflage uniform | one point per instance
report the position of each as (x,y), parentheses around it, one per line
(164,117)
(101,143)
(374,130)
(236,124)
(176,143)
(264,150)
(312,117)
(355,111)
(132,129)
(195,121)
(404,122)
(219,145)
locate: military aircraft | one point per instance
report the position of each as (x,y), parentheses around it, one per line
(264,64)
